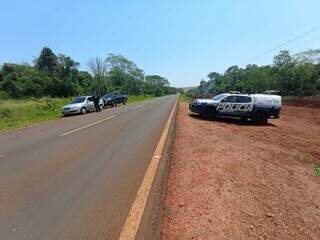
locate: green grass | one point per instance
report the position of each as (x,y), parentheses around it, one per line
(289,98)
(317,170)
(22,113)
(184,98)
(139,98)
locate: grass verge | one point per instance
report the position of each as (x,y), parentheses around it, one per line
(317,170)
(23,113)
(184,98)
(139,98)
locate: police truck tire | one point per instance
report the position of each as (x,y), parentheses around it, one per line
(208,114)
(260,118)
(244,119)
(83,110)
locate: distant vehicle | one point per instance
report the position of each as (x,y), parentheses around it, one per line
(272,92)
(235,92)
(80,105)
(112,99)
(258,107)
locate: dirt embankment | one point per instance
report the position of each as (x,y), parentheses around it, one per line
(234,180)
(313,102)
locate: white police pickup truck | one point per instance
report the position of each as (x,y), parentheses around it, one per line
(258,107)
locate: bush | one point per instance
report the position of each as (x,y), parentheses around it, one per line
(6,113)
(4,95)
(49,105)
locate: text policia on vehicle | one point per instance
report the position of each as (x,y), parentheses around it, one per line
(257,107)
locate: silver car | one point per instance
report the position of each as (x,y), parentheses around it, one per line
(80,105)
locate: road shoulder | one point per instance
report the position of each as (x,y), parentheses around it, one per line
(144,220)
(232,180)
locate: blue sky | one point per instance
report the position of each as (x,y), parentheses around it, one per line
(182,40)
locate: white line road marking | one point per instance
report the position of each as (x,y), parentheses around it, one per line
(86,126)
(131,226)
(136,108)
(2,156)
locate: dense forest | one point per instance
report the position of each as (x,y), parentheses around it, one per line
(59,76)
(297,75)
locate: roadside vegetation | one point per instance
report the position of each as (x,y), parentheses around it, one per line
(139,98)
(59,76)
(317,170)
(183,97)
(32,93)
(22,113)
(25,112)
(291,74)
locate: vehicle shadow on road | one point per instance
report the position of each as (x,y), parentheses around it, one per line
(234,121)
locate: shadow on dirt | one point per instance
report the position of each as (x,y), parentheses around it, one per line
(231,120)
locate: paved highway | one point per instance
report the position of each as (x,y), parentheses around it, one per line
(77,177)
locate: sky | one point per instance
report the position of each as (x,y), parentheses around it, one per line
(182,40)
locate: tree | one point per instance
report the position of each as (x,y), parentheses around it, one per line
(124,75)
(85,80)
(47,61)
(21,80)
(97,67)
(213,75)
(309,56)
(156,85)
(65,65)
(282,59)
(58,76)
(297,74)
(284,65)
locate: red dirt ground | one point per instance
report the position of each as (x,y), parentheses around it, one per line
(234,180)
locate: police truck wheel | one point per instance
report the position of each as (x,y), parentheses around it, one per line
(83,110)
(208,114)
(260,118)
(244,119)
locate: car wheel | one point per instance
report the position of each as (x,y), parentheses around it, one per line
(260,118)
(243,119)
(83,110)
(208,114)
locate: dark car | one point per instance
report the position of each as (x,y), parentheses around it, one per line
(112,99)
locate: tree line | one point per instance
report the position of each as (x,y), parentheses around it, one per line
(290,74)
(59,76)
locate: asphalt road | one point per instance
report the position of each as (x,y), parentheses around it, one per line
(77,177)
